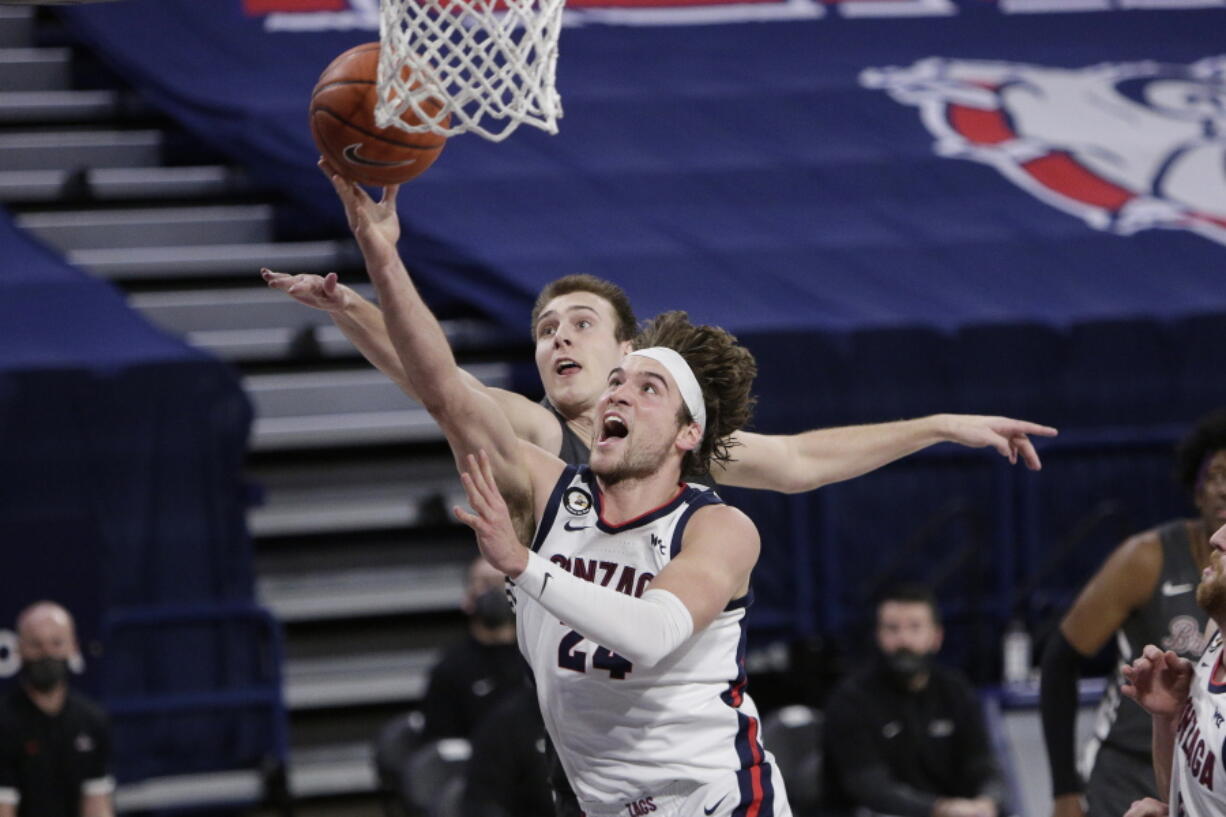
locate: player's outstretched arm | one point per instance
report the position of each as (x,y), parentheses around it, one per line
(1161,682)
(1124,583)
(795,463)
(357,318)
(363,323)
(469,417)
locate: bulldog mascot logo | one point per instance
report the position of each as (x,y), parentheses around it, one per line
(1124,146)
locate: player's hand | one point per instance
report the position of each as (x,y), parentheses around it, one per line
(376,225)
(1010,438)
(490,519)
(324,292)
(1149,807)
(1068,805)
(1159,681)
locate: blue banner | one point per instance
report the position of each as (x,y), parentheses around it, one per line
(776,165)
(120,454)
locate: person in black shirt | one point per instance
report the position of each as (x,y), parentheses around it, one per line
(508,770)
(474,674)
(54,743)
(906,736)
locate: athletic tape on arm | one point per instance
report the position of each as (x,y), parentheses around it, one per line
(643,630)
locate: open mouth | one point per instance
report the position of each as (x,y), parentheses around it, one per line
(612,428)
(566,367)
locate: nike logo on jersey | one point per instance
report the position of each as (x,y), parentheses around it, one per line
(351,155)
(573,527)
(1171,589)
(711,810)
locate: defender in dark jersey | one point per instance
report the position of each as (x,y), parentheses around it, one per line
(1143,594)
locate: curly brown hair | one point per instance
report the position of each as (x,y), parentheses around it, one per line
(627,324)
(724,369)
(1203,441)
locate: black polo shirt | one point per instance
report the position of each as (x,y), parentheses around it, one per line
(49,761)
(465,685)
(897,751)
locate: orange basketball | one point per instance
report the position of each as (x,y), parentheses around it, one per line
(343,124)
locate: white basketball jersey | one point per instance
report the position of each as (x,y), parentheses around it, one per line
(1198,779)
(632,739)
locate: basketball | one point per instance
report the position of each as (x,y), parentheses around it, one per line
(344,129)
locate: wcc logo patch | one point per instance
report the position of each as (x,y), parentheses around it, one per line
(577,501)
(1124,146)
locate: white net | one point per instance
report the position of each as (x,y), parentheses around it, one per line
(490,62)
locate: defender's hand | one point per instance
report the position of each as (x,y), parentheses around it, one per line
(325,292)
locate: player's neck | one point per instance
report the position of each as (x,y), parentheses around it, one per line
(629,499)
(582,424)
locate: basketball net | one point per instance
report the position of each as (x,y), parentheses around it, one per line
(491,63)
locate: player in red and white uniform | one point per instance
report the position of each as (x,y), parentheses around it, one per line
(629,732)
(1188,704)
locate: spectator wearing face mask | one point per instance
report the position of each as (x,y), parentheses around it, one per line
(906,736)
(54,743)
(474,674)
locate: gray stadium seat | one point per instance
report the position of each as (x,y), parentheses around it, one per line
(793,735)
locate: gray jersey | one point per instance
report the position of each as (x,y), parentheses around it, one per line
(574,451)
(1170,619)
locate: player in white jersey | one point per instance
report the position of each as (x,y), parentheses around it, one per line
(1188,704)
(667,410)
(687,720)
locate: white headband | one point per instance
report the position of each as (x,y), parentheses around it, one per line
(683,376)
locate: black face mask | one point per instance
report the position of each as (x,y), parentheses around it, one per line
(904,665)
(44,674)
(492,609)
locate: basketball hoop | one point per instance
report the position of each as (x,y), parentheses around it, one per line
(491,63)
